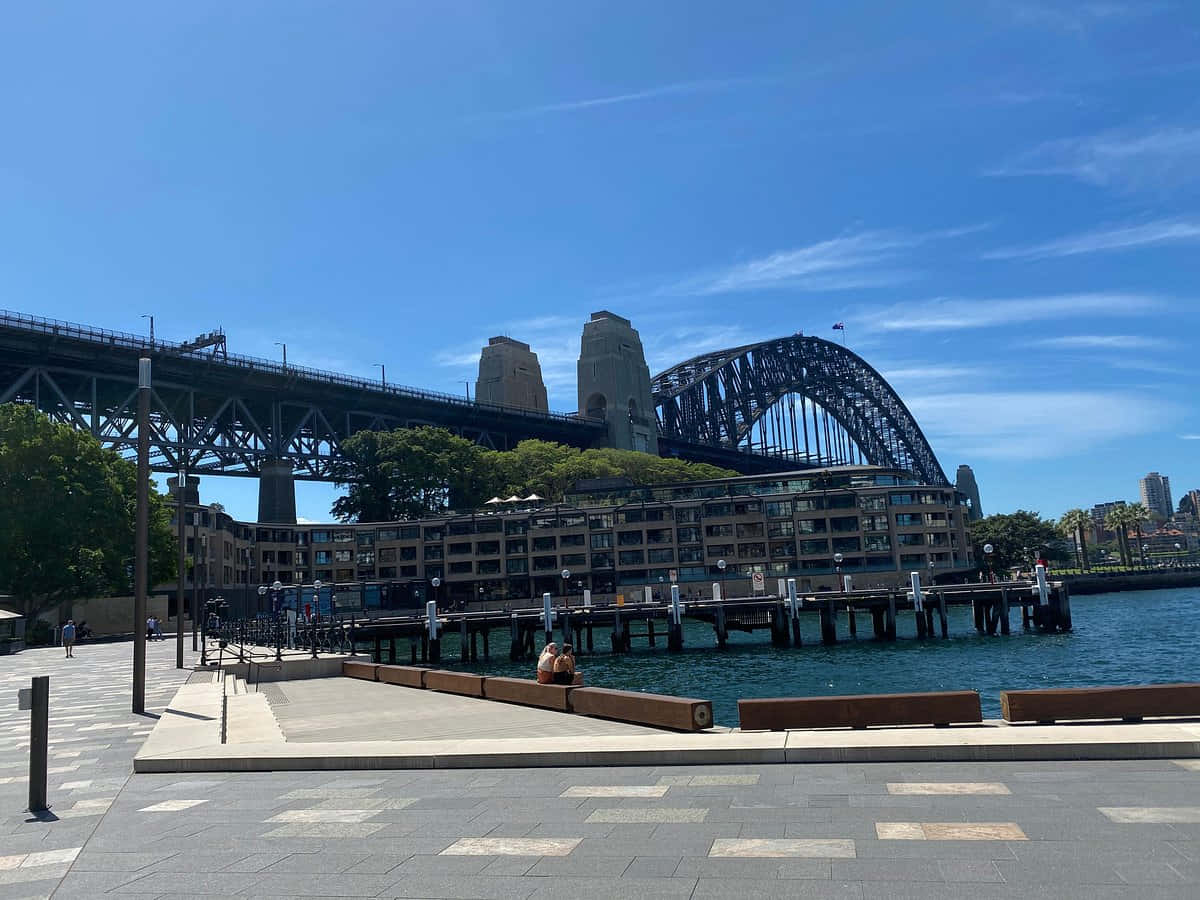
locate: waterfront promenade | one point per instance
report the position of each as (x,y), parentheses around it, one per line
(1126,828)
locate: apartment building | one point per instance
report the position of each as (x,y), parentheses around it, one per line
(611,537)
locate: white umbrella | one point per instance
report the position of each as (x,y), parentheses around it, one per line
(513,499)
(494,500)
(532,497)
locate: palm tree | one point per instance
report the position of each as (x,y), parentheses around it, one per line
(1075,523)
(1117,521)
(1138,515)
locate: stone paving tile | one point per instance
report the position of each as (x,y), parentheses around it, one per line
(512,847)
(782,848)
(767,889)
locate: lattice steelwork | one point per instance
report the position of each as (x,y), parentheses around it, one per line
(226,414)
(797,398)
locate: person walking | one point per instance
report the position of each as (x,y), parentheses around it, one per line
(158,628)
(68,638)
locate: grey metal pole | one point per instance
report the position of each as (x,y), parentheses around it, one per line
(181,529)
(141,538)
(39,727)
(195,572)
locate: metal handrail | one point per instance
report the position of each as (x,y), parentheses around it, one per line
(24,322)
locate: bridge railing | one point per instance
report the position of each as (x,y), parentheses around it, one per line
(36,324)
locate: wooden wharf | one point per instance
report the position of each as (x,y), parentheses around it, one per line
(1045,609)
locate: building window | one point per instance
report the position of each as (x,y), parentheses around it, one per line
(387,571)
(323,557)
(574,559)
(342,556)
(844,523)
(366,557)
(718,530)
(343,537)
(691,554)
(387,534)
(433,552)
(516,547)
(749,529)
(407,553)
(488,567)
(908,520)
(720,550)
(901,499)
(460,549)
(752,551)
(516,526)
(460,568)
(877,543)
(366,539)
(631,557)
(434,535)
(781,529)
(846,545)
(545,563)
(601,521)
(658,536)
(718,509)
(387,554)
(687,514)
(484,548)
(320,537)
(409,532)
(689,535)
(911,559)
(662,555)
(602,541)
(786,548)
(543,543)
(779,509)
(913,539)
(602,561)
(872,502)
(629,538)
(810,526)
(572,540)
(516,565)
(808,548)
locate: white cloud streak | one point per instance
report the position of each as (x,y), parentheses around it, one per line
(1029,425)
(863,260)
(952,314)
(1190,437)
(681,88)
(1129,237)
(1125,160)
(1102,342)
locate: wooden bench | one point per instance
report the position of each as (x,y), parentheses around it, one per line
(408,676)
(859,711)
(447,682)
(359,670)
(528,693)
(679,713)
(1129,703)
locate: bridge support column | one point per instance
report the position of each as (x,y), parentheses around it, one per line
(276,492)
(890,626)
(720,629)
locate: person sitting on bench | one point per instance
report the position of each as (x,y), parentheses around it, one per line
(564,666)
(545,664)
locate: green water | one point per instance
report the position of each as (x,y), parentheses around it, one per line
(1128,638)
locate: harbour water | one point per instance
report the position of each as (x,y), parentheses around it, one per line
(1133,637)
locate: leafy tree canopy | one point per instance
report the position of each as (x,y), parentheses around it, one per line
(67,515)
(1016,538)
(415,472)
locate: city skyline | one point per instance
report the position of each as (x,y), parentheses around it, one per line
(1015,252)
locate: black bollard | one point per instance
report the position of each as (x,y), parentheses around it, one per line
(922,633)
(877,624)
(829,622)
(39,743)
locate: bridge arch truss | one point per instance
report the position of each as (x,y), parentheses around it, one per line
(804,399)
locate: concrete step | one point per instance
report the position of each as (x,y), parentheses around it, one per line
(250,720)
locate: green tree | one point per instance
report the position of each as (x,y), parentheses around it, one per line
(407,473)
(1015,537)
(1122,518)
(67,515)
(1074,524)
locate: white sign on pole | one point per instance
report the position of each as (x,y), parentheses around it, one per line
(676,609)
(716,590)
(672,575)
(918,601)
(1043,589)
(432,619)
(793,600)
(649,594)
(757,581)
(587,596)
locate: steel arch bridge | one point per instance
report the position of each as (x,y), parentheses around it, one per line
(799,398)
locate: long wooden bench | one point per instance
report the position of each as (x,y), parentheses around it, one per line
(679,713)
(359,670)
(1129,703)
(859,711)
(447,682)
(408,676)
(528,693)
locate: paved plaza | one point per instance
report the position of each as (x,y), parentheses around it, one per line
(979,830)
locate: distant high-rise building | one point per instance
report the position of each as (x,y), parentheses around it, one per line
(509,374)
(1156,494)
(964,483)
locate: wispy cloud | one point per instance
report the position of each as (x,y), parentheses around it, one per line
(1190,437)
(946,314)
(1028,425)
(1075,19)
(679,88)
(1122,159)
(861,260)
(1129,237)
(923,373)
(1102,342)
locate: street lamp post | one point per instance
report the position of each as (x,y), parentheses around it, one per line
(382,373)
(437,583)
(987,552)
(284,346)
(1178,547)
(316,612)
(181,536)
(661,596)
(837,567)
(931,571)
(721,568)
(566,577)
(151,318)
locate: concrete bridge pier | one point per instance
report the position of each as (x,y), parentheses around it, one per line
(276,492)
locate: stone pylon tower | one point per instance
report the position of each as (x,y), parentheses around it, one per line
(614,382)
(509,374)
(964,483)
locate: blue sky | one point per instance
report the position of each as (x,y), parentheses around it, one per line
(1000,199)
